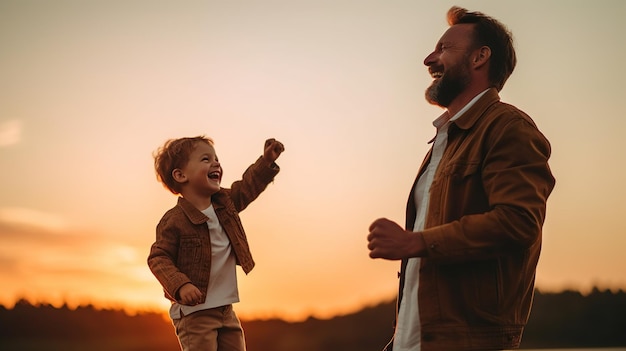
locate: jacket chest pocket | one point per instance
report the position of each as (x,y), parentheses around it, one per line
(190,250)
(456,189)
(458,172)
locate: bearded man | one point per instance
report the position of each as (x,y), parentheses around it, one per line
(472,237)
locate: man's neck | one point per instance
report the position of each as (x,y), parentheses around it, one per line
(463,99)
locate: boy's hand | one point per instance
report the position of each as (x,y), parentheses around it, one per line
(273,149)
(190,295)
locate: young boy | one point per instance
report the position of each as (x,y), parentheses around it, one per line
(200,240)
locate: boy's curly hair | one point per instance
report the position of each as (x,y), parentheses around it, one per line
(172,155)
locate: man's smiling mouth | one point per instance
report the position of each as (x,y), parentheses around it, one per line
(436,75)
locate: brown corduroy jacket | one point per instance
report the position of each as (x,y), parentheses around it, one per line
(483,230)
(182,251)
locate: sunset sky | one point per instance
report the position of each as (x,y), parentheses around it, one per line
(89,89)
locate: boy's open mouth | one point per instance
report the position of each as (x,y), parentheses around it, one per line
(216,175)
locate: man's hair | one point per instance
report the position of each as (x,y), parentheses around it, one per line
(172,155)
(489,32)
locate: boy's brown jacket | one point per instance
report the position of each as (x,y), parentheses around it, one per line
(483,230)
(182,251)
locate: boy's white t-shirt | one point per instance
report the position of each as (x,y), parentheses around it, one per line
(222,288)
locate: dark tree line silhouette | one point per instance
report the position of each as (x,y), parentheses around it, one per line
(570,319)
(564,320)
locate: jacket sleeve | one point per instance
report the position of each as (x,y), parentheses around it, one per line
(253,182)
(163,257)
(501,199)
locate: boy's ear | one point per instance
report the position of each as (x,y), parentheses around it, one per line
(179,176)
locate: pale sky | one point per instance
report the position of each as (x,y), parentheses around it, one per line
(89,89)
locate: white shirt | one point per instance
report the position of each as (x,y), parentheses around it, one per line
(408,330)
(222,288)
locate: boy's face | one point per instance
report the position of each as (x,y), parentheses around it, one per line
(202,174)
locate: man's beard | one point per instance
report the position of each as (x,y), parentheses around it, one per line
(443,91)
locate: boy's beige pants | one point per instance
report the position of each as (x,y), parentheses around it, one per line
(210,330)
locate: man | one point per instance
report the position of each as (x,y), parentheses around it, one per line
(475,213)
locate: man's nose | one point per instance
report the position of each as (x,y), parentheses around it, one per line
(429,59)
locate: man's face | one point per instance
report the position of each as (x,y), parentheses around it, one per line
(449,65)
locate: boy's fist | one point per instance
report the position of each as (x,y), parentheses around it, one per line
(190,295)
(273,149)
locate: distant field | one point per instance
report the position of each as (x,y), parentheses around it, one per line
(111,344)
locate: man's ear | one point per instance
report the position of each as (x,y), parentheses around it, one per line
(481,56)
(179,176)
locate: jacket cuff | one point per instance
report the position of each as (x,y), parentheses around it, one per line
(267,170)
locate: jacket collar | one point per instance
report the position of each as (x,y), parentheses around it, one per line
(469,118)
(194,215)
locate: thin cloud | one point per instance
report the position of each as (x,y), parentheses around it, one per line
(72,266)
(30,217)
(10,132)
